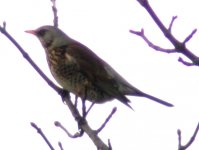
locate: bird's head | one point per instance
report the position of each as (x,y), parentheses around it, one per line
(50,36)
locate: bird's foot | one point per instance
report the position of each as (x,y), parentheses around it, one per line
(64,94)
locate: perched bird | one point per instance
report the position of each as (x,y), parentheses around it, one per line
(80,71)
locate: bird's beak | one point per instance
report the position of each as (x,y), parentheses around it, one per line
(31,32)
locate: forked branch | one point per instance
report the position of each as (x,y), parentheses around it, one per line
(179,47)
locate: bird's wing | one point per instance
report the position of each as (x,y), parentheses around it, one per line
(87,61)
(95,68)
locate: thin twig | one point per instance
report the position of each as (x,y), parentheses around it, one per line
(109,144)
(180,146)
(193,137)
(185,62)
(171,24)
(42,135)
(4,25)
(107,120)
(76,135)
(189,36)
(54,9)
(60,146)
(179,139)
(150,44)
(142,2)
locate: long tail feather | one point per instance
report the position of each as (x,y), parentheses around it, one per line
(156,99)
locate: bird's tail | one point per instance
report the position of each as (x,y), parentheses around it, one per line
(155,99)
(125,101)
(128,89)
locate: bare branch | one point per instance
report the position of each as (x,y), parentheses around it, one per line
(109,144)
(60,146)
(150,44)
(107,120)
(189,36)
(179,138)
(180,146)
(58,124)
(171,24)
(143,2)
(54,9)
(185,62)
(42,135)
(193,137)
(4,25)
(179,46)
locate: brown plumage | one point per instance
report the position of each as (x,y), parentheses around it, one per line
(80,71)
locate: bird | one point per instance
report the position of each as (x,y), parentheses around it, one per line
(77,69)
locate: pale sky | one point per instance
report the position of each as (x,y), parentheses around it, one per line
(104,27)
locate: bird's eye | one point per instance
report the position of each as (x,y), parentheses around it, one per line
(41,32)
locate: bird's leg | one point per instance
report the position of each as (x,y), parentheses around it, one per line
(84,111)
(81,132)
(84,103)
(76,101)
(91,106)
(64,94)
